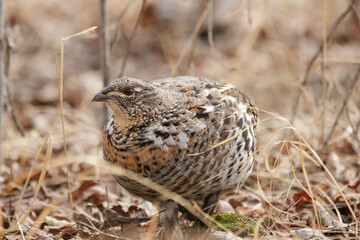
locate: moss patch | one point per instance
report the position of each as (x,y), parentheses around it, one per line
(236,223)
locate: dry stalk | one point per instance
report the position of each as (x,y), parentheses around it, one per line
(48,209)
(9,187)
(303,147)
(311,194)
(62,116)
(41,218)
(168,52)
(61,84)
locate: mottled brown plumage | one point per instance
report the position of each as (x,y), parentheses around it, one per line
(194,136)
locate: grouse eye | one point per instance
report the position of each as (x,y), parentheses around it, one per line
(128,91)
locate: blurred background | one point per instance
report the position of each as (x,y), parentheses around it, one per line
(263,47)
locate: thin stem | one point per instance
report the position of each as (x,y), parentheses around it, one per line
(104,50)
(2,69)
(345,102)
(128,46)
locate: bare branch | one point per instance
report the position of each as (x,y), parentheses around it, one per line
(2,68)
(191,42)
(12,111)
(8,47)
(211,37)
(118,20)
(345,102)
(320,49)
(104,50)
(128,45)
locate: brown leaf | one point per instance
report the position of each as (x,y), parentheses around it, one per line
(302,197)
(83,187)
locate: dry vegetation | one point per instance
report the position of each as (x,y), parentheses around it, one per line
(306,182)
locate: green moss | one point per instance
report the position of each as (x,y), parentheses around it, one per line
(235,223)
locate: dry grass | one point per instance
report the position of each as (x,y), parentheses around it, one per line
(307,178)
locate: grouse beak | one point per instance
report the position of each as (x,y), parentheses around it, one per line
(99,97)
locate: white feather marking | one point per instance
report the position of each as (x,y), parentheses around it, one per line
(150,135)
(138,89)
(109,126)
(226,87)
(169,141)
(183,137)
(229,98)
(158,141)
(205,92)
(182,145)
(111,120)
(110,130)
(208,109)
(242,107)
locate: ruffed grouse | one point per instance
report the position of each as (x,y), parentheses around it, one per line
(157,128)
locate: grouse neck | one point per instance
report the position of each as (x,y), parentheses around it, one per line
(121,118)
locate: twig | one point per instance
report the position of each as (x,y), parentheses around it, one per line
(12,111)
(104,50)
(211,37)
(114,218)
(118,20)
(323,69)
(354,129)
(248,6)
(345,102)
(312,61)
(2,68)
(8,47)
(191,43)
(128,45)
